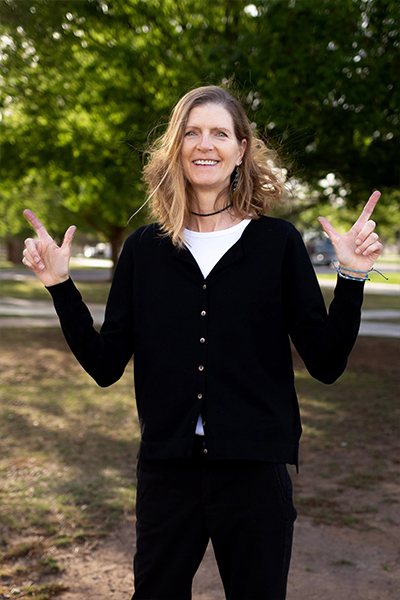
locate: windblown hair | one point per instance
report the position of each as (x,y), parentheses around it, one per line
(258,188)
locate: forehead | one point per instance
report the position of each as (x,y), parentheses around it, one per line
(211,116)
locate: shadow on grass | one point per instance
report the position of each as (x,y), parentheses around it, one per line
(362,408)
(351,439)
(68,448)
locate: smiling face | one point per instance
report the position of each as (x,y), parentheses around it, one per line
(210,149)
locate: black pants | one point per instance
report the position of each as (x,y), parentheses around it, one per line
(245,507)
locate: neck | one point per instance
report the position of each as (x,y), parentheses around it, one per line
(205,202)
(215,212)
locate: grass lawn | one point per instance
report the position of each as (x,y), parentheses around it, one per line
(33,289)
(67,454)
(350,446)
(68,451)
(371,301)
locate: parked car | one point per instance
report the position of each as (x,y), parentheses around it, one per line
(322,252)
(100,250)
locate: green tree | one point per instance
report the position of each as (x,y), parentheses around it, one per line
(321,78)
(83,84)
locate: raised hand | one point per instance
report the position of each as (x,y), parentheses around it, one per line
(359,248)
(47,260)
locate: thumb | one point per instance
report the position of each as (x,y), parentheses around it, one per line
(68,237)
(327,227)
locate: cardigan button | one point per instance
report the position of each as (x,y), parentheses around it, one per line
(204,287)
(203,313)
(200,396)
(201,368)
(202,340)
(205,451)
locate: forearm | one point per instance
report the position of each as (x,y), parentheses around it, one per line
(103,355)
(323,340)
(326,348)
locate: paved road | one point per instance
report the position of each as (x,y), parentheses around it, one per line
(15,312)
(41,313)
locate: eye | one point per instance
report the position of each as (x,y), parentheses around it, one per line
(221,134)
(190,134)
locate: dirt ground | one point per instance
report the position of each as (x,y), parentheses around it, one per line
(104,571)
(329,562)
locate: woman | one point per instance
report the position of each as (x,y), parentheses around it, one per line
(207,300)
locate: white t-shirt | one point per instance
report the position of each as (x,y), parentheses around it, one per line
(207,248)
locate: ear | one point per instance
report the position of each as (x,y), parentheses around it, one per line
(242,149)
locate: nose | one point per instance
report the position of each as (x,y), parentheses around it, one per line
(205,142)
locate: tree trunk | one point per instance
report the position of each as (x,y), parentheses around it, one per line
(14,247)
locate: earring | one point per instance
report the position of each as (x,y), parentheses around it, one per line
(235,180)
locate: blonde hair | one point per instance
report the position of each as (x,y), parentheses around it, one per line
(258,188)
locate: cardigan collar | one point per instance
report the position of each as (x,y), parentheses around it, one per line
(234,253)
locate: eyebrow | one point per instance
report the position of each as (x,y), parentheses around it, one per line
(212,129)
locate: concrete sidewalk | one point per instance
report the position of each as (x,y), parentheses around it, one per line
(15,312)
(40,313)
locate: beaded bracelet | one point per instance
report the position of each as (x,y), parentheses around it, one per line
(365,273)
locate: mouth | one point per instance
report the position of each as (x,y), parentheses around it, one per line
(205,163)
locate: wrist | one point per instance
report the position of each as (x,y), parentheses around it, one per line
(353,274)
(56,281)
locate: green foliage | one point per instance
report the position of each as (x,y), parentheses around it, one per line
(84,84)
(331,86)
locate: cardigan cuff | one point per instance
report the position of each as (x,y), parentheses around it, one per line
(350,289)
(65,292)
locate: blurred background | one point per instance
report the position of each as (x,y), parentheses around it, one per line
(84,86)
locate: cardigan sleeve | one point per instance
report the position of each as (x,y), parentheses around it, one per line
(323,340)
(105,354)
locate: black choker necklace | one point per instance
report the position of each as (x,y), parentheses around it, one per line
(211,214)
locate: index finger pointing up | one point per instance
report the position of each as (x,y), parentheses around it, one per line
(36,224)
(368,209)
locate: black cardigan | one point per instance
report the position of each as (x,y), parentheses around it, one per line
(220,345)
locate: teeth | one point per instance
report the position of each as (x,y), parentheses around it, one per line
(205,162)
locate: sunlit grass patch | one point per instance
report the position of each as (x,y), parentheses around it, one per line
(371,301)
(350,411)
(33,289)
